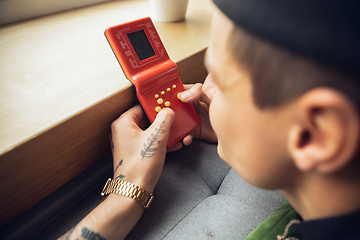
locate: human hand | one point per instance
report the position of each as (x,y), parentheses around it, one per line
(139,155)
(194,94)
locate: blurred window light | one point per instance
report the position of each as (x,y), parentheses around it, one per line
(17,10)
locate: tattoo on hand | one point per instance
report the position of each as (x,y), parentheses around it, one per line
(120,176)
(120,163)
(150,146)
(90,235)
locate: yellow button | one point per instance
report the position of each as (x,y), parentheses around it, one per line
(178,95)
(167,104)
(158,109)
(162,92)
(160,101)
(168,89)
(156,95)
(174,86)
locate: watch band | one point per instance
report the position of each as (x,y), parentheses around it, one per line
(129,190)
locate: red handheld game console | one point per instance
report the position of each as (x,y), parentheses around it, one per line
(145,62)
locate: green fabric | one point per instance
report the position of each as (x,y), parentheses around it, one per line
(275,224)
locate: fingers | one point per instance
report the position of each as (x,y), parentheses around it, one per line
(188,140)
(158,133)
(194,94)
(134,115)
(139,155)
(166,116)
(134,121)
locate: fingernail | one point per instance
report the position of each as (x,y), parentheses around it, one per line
(184,96)
(169,110)
(166,112)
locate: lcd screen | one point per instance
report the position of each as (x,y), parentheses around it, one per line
(141,45)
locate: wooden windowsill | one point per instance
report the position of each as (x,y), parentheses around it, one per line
(61,87)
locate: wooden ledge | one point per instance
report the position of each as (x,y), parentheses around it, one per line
(47,139)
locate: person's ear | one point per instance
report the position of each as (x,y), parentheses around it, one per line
(325,133)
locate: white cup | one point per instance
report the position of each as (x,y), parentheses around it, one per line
(169,10)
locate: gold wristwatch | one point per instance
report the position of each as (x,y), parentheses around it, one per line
(129,190)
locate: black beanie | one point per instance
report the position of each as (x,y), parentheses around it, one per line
(327,31)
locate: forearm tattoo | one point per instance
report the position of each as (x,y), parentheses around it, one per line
(150,146)
(120,176)
(85,234)
(90,235)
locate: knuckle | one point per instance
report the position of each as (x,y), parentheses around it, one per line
(198,88)
(115,125)
(197,85)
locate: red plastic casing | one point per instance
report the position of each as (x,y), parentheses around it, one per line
(152,76)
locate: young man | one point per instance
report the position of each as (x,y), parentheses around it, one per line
(284,113)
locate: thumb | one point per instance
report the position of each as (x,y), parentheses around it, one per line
(192,94)
(159,130)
